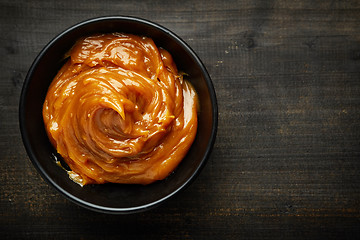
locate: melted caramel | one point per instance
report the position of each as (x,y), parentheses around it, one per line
(119,111)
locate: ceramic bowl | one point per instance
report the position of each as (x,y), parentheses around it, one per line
(115,198)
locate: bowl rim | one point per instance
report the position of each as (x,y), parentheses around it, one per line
(71,197)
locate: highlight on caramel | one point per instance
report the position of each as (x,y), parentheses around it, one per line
(119,111)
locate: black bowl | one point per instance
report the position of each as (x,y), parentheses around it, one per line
(115,198)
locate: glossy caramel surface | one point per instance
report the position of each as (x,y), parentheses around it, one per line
(119,111)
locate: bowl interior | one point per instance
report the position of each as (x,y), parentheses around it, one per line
(114,198)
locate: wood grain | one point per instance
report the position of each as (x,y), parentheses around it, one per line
(286,160)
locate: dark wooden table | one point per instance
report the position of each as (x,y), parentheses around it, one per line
(286,161)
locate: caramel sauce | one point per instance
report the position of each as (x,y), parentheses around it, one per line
(119,111)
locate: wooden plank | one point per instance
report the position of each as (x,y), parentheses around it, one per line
(286,159)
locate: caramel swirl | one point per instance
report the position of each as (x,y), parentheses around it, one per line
(119,111)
